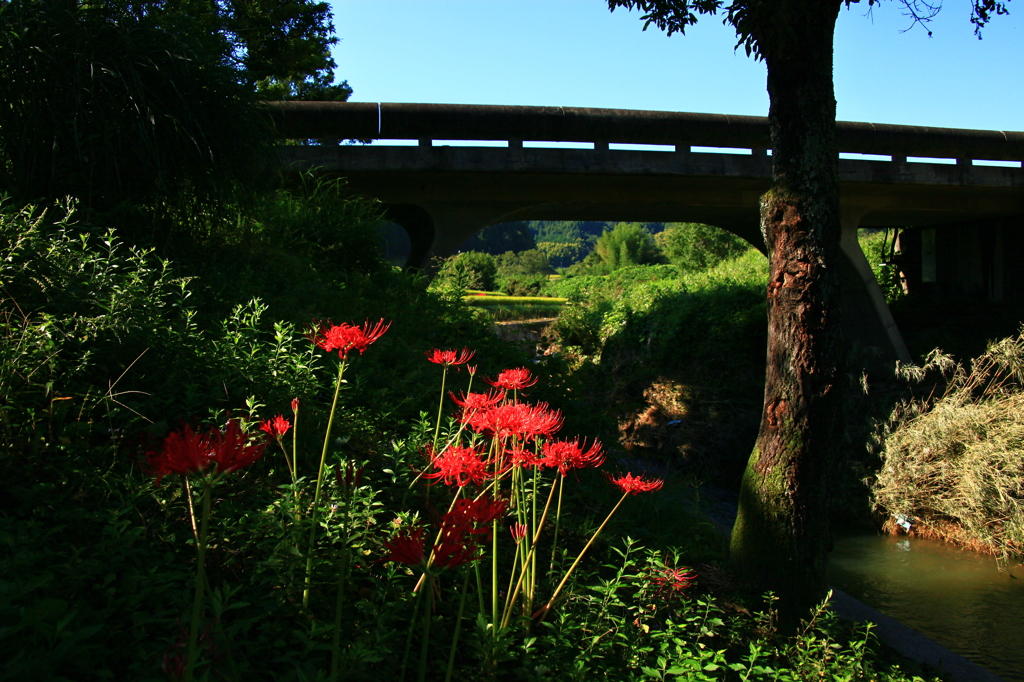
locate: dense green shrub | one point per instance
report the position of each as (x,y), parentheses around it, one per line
(470,270)
(694,246)
(624,245)
(523,273)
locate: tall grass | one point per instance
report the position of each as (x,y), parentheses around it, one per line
(952,464)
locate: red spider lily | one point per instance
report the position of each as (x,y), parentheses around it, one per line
(518,531)
(570,454)
(458,466)
(513,379)
(636,484)
(450,358)
(523,458)
(516,419)
(455,548)
(542,421)
(467,519)
(346,337)
(480,512)
(276,427)
(669,582)
(295,405)
(350,477)
(187,452)
(406,547)
(474,402)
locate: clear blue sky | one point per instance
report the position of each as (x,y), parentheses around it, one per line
(577,53)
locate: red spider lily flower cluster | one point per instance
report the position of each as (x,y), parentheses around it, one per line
(459,465)
(518,531)
(463,529)
(460,528)
(276,427)
(188,452)
(636,484)
(451,358)
(406,547)
(523,458)
(474,402)
(519,420)
(571,454)
(670,582)
(345,338)
(514,379)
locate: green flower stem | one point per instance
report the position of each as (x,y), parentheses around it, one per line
(547,607)
(479,585)
(558,520)
(494,578)
(319,485)
(295,453)
(197,604)
(425,646)
(342,580)
(288,462)
(533,511)
(533,545)
(408,637)
(458,629)
(440,407)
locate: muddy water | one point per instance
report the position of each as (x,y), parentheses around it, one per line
(966,602)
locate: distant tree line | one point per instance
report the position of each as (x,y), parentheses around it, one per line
(519,257)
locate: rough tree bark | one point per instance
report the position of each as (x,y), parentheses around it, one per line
(781,538)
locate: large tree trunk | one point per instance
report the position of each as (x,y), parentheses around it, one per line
(781,538)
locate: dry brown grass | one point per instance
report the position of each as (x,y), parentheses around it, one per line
(955,464)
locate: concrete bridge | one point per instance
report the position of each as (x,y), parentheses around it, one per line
(470,166)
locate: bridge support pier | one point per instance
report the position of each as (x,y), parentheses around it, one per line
(868,324)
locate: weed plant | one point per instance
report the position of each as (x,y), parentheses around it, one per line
(951,460)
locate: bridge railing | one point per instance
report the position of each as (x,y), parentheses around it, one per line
(602,127)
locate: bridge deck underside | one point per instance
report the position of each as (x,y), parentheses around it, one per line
(499,184)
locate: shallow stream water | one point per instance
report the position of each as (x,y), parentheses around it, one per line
(964,601)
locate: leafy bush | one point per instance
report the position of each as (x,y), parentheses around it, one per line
(624,245)
(470,270)
(564,254)
(523,273)
(694,246)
